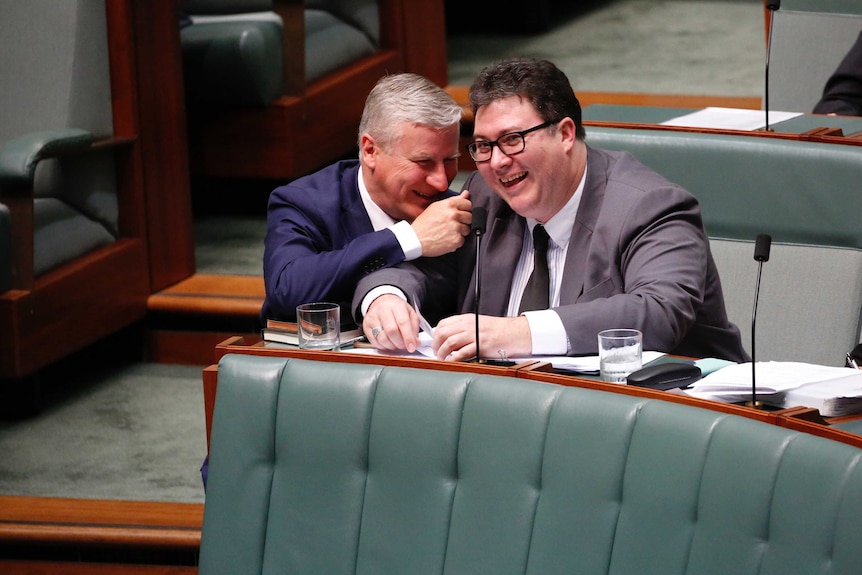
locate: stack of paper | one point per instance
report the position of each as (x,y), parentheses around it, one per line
(832,390)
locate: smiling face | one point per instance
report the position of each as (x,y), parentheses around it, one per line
(539,181)
(418,166)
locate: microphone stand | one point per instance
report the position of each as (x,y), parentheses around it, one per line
(754,403)
(762,245)
(480,216)
(477,292)
(772,7)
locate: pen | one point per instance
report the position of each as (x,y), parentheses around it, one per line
(851,362)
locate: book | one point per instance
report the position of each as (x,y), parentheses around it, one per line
(288,333)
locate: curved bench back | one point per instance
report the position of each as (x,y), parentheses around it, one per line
(336,468)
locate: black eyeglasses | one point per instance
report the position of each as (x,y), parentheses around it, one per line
(510,144)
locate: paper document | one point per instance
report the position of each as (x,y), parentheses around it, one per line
(786,384)
(729,119)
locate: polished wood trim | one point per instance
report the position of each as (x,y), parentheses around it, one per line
(59,568)
(461,95)
(796,419)
(211,294)
(121,523)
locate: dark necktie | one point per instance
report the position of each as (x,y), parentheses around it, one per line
(539,285)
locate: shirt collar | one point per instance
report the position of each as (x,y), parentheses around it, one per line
(559,227)
(379,219)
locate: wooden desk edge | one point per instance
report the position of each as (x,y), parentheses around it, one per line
(803,419)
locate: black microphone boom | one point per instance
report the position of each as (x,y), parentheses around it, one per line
(772,6)
(762,245)
(477,228)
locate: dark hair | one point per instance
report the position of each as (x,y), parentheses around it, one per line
(540,82)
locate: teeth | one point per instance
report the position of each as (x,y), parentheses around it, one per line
(513,178)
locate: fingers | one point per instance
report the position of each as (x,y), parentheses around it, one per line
(455,338)
(391,324)
(442,227)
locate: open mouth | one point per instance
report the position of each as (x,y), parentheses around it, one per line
(510,181)
(425,196)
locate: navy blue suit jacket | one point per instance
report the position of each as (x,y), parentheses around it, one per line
(320,242)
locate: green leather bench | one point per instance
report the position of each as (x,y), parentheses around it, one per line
(807,196)
(330,468)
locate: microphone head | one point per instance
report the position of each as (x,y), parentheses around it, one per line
(761,247)
(480,221)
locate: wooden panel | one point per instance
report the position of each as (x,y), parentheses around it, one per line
(163,142)
(185,347)
(74,306)
(423,40)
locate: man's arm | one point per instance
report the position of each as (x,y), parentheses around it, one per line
(656,274)
(310,256)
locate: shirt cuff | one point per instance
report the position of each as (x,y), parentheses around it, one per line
(376,293)
(408,240)
(547,332)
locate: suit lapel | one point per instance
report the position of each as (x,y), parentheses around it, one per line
(582,231)
(355,221)
(504,239)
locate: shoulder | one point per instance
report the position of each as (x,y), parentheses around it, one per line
(326,185)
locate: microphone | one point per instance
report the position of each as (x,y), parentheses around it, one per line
(772,6)
(477,228)
(761,254)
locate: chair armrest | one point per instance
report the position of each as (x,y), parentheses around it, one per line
(18,158)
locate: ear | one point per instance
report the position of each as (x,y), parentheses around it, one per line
(368,151)
(567,131)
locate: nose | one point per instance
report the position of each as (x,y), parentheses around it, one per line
(498,158)
(438,178)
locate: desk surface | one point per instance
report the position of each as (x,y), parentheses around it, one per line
(598,114)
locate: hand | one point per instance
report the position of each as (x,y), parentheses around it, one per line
(441,228)
(391,324)
(455,337)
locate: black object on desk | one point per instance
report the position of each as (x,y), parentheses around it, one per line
(664,376)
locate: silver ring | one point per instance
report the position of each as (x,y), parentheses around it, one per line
(376,331)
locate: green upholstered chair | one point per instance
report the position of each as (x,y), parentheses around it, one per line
(235,53)
(275,88)
(809,39)
(335,468)
(73,269)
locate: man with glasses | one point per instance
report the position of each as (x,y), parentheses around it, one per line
(578,240)
(327,230)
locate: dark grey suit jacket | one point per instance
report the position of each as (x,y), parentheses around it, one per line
(638,258)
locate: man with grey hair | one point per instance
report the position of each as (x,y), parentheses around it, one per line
(327,230)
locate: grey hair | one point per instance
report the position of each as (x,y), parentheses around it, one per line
(405,98)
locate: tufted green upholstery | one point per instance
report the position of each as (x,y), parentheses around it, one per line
(807,196)
(799,192)
(329,468)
